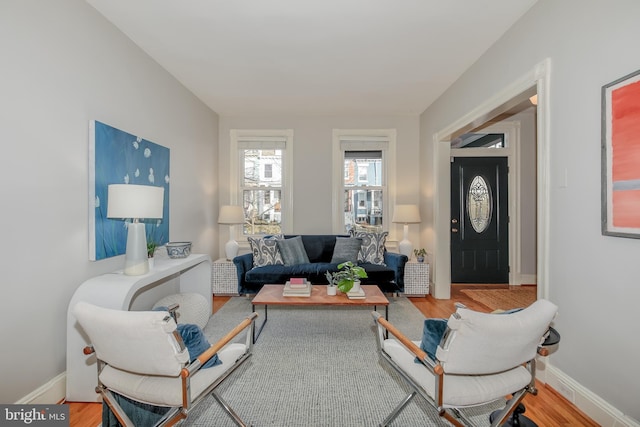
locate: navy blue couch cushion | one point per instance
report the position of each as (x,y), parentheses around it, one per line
(315,273)
(274,274)
(319,247)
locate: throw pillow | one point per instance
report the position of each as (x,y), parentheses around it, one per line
(346,249)
(372,249)
(432,333)
(197,343)
(293,251)
(265,251)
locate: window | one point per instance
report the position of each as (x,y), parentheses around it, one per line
(364,194)
(261,186)
(363,168)
(479,203)
(479,140)
(362,160)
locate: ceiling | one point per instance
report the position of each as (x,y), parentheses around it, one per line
(320,57)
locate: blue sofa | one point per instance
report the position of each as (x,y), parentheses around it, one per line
(319,248)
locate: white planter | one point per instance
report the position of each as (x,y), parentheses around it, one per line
(356,286)
(151,262)
(331,290)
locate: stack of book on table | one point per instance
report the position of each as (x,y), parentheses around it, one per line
(356,295)
(297,287)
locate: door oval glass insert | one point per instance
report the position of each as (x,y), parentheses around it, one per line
(479,204)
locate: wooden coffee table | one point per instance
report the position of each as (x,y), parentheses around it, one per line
(272,295)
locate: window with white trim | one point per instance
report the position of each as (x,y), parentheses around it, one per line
(363,161)
(262,185)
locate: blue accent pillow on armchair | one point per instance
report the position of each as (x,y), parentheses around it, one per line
(197,344)
(432,333)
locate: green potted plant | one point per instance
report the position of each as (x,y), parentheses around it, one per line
(332,283)
(347,275)
(151,250)
(420,254)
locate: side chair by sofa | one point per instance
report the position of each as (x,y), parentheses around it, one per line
(481,358)
(143,360)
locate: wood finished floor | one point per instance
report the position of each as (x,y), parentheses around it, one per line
(547,409)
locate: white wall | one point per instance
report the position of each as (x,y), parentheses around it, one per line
(592,278)
(312,169)
(63,65)
(528,164)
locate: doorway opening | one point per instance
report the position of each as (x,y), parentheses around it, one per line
(530,90)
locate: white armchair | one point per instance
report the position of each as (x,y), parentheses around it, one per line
(481,358)
(142,357)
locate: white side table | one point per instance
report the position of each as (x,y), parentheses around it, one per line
(224,277)
(416,278)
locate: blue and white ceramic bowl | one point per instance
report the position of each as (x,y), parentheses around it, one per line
(178,249)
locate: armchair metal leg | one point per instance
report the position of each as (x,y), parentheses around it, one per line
(392,416)
(510,414)
(108,398)
(228,409)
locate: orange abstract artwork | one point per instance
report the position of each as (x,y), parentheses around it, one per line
(621,146)
(625,150)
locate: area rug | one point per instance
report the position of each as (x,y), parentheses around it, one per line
(317,366)
(503,299)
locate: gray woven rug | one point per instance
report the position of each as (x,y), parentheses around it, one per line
(315,366)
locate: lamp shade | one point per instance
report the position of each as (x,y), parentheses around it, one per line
(406,214)
(231,215)
(134,201)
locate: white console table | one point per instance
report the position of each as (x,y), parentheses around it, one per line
(118,291)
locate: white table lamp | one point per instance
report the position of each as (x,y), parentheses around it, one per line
(231,215)
(406,214)
(135,202)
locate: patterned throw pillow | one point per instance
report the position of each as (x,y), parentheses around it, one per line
(372,249)
(265,251)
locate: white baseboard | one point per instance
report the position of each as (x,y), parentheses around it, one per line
(528,279)
(588,402)
(52,392)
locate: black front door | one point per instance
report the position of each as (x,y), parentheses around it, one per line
(479,220)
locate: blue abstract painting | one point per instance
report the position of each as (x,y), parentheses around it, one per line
(118,157)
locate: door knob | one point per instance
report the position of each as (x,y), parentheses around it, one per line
(454,221)
(454,230)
